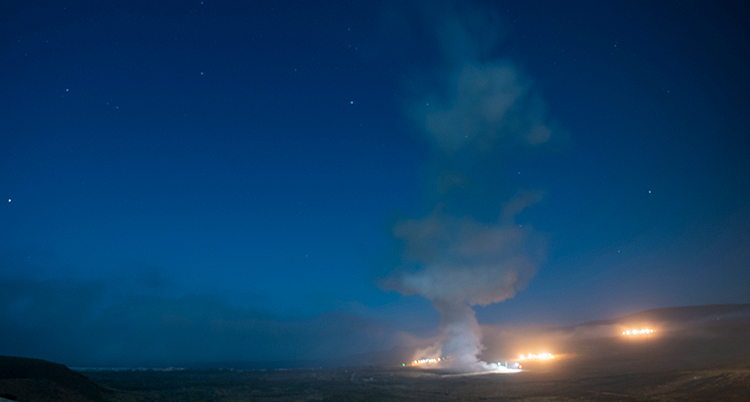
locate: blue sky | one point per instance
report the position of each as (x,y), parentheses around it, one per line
(198,182)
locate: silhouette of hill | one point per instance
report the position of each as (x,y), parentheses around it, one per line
(688,314)
(25,379)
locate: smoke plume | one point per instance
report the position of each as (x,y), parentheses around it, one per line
(467,249)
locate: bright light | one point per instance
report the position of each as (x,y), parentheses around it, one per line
(424,361)
(543,356)
(512,368)
(644,331)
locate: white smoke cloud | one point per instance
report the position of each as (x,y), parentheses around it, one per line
(464,261)
(468,250)
(457,263)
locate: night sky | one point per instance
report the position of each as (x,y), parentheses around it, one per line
(188,182)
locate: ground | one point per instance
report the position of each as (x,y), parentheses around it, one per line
(379,384)
(702,356)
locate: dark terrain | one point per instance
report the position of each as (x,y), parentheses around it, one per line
(698,354)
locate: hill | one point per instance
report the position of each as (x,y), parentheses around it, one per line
(684,315)
(25,379)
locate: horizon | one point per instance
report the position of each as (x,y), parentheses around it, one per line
(217,180)
(347,361)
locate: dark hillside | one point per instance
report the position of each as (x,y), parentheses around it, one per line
(681,314)
(26,379)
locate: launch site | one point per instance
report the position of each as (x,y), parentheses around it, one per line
(374,200)
(699,354)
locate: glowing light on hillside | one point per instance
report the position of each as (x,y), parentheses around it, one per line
(424,361)
(638,332)
(543,356)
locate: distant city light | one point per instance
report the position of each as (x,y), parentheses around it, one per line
(543,356)
(638,332)
(424,361)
